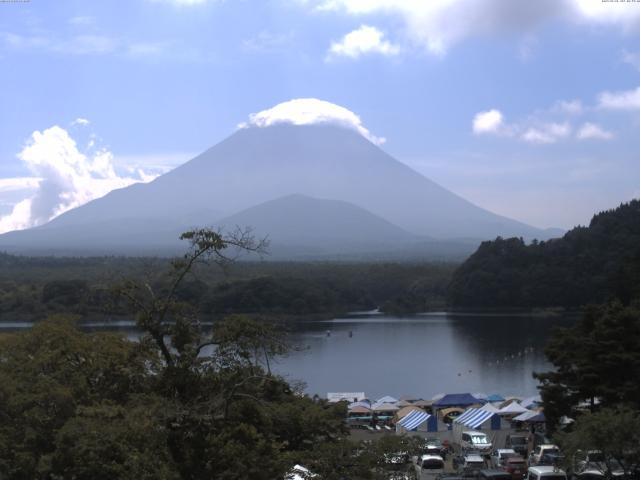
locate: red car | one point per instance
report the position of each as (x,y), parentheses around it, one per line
(516,466)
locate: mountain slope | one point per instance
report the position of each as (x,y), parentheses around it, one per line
(325,224)
(587,265)
(255,165)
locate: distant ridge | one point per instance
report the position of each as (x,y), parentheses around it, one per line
(587,265)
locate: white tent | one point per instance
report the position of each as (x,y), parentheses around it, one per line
(384,407)
(387,399)
(530,402)
(488,407)
(524,416)
(512,408)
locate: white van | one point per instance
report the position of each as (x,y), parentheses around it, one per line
(473,440)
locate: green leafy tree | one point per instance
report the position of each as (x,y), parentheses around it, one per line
(612,432)
(597,363)
(50,372)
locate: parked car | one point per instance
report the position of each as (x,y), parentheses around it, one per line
(516,466)
(428,466)
(500,455)
(493,475)
(469,464)
(433,446)
(545,472)
(545,454)
(593,464)
(594,460)
(518,443)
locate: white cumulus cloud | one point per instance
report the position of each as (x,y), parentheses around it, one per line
(491,121)
(436,25)
(310,111)
(66,178)
(591,131)
(622,100)
(364,40)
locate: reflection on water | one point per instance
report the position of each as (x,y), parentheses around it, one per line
(421,355)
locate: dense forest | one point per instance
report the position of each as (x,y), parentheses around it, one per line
(588,265)
(33,287)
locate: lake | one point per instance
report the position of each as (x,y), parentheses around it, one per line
(420,355)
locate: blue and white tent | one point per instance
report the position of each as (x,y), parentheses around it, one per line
(415,419)
(477,418)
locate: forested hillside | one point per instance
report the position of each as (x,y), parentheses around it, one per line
(587,265)
(33,287)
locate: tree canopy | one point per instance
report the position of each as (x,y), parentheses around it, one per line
(183,402)
(588,265)
(596,363)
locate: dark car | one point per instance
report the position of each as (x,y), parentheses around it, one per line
(450,476)
(516,467)
(494,475)
(518,443)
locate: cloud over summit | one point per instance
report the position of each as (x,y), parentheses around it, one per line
(311,111)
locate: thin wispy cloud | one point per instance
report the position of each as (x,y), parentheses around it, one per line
(546,133)
(631,58)
(592,131)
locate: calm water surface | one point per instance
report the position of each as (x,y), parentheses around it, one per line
(421,355)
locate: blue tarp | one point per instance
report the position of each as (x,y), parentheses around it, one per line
(456,400)
(474,417)
(495,398)
(413,419)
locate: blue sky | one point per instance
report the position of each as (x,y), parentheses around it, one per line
(528,108)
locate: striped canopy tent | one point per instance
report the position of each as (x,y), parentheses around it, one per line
(475,417)
(403,412)
(412,421)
